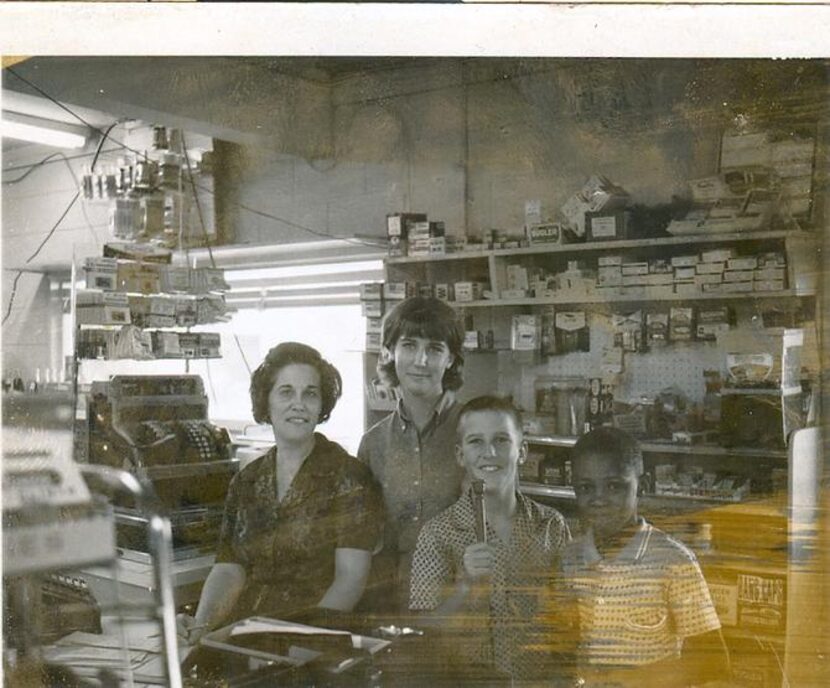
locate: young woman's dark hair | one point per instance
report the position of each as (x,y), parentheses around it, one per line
(614,443)
(429,318)
(331,384)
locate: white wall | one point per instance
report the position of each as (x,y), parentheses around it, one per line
(469,141)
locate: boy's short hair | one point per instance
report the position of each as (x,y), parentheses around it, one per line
(489,402)
(426,317)
(612,443)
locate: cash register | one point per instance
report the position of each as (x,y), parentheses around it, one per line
(157,428)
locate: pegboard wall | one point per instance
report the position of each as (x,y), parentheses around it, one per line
(679,365)
(676,364)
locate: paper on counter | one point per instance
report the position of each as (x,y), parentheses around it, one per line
(263,625)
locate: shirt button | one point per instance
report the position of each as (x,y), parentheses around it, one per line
(417,482)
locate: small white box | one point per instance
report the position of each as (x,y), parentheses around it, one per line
(634,280)
(719,255)
(609,261)
(372,309)
(710,268)
(769,274)
(635,268)
(685,261)
(374,325)
(609,277)
(684,273)
(371,291)
(715,278)
(373,340)
(747,263)
(437,245)
(768,285)
(472,340)
(738,275)
(659,279)
(463,291)
(771,260)
(525,333)
(394,290)
(517,277)
(737,287)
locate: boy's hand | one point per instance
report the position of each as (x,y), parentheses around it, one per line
(479,559)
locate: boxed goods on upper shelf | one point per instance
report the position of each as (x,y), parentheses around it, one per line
(111,274)
(601,198)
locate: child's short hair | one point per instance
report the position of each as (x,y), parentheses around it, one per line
(489,402)
(612,443)
(426,317)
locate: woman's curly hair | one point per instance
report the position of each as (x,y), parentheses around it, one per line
(263,378)
(426,317)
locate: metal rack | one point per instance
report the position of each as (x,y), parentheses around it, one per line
(53,520)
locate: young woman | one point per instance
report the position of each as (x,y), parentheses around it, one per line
(411,452)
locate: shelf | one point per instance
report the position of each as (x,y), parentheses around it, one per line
(567,492)
(166,328)
(607,246)
(694,498)
(621,244)
(670,448)
(440,257)
(155,358)
(618,298)
(155,294)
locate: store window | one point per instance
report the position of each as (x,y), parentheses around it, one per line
(337,331)
(316,304)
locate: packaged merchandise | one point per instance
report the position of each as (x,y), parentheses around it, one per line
(525,334)
(572,332)
(681,322)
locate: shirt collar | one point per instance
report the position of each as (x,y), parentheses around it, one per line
(444,403)
(463,516)
(631,553)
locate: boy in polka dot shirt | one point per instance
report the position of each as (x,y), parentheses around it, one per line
(642,612)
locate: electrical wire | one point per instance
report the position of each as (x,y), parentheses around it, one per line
(210,381)
(35,166)
(68,163)
(242,353)
(196,199)
(12,295)
(212,192)
(54,228)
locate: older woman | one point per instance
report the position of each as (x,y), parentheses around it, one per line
(301,521)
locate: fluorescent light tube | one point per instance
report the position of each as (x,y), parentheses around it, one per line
(38,130)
